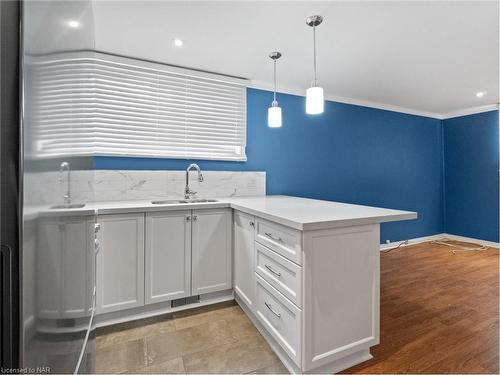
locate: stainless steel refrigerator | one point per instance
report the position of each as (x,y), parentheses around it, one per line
(9,185)
(48,253)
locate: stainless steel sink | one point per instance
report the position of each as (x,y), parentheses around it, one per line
(178,201)
(200,200)
(67,206)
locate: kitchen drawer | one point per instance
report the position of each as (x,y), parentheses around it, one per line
(281,318)
(284,240)
(281,273)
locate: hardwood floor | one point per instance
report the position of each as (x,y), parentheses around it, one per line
(439,312)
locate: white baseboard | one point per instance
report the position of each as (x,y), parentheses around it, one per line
(412,241)
(435,237)
(471,240)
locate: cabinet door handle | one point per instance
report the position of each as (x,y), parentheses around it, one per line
(188,218)
(195,217)
(272,237)
(268,305)
(278,274)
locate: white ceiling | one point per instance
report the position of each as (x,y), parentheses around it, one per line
(425,57)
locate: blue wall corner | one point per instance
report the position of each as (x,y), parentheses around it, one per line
(471,152)
(349,154)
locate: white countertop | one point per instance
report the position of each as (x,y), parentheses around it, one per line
(310,214)
(298,213)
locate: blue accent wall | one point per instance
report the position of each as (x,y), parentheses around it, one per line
(471,175)
(349,154)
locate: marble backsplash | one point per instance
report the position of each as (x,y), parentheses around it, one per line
(123,185)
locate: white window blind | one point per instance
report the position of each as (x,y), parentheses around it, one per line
(104,105)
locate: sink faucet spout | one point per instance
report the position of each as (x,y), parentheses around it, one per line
(188,193)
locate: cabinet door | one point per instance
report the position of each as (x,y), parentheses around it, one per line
(65,267)
(120,262)
(168,255)
(211,250)
(244,283)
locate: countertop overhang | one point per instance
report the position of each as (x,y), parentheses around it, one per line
(294,212)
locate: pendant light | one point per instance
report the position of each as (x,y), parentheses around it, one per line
(314,94)
(274,111)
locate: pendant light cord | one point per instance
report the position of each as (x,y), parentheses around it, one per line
(314,56)
(274,98)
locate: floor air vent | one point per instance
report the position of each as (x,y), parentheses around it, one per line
(184,301)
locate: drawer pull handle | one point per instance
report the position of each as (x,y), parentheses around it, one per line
(268,305)
(278,274)
(273,238)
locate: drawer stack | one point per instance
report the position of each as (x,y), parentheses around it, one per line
(321,311)
(278,284)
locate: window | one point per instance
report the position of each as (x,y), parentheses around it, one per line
(93,103)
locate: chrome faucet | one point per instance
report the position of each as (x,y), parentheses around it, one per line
(65,167)
(188,193)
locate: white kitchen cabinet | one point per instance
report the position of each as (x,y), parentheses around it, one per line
(211,250)
(323,315)
(120,262)
(65,266)
(315,292)
(244,255)
(305,271)
(168,255)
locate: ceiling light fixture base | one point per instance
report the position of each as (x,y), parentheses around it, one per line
(275,55)
(314,21)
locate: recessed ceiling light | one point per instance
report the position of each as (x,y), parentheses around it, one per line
(74,24)
(480,94)
(178,42)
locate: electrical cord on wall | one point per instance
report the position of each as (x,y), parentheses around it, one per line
(405,242)
(458,248)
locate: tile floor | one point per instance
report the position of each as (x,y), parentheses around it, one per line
(211,339)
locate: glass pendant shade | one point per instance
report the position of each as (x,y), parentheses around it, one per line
(274,117)
(314,100)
